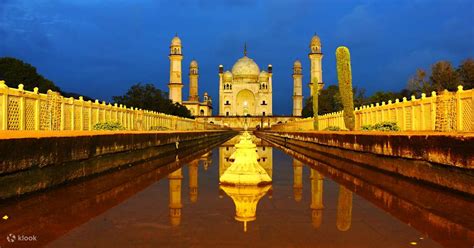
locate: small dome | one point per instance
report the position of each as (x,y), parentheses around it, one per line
(227,76)
(245,67)
(176,41)
(315,41)
(297,63)
(263,76)
(194,63)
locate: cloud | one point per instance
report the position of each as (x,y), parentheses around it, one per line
(361,27)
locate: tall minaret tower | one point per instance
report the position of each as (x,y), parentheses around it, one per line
(316,58)
(297,88)
(193,81)
(176,84)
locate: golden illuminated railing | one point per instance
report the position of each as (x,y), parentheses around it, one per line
(30,110)
(449,111)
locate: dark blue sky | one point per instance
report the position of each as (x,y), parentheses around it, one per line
(101,47)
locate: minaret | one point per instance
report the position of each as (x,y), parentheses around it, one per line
(176,84)
(193,81)
(221,89)
(316,198)
(297,88)
(297,179)
(175,206)
(316,58)
(193,180)
(270,89)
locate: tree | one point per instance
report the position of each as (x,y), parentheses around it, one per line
(307,110)
(383,96)
(15,72)
(148,97)
(466,73)
(359,97)
(419,83)
(330,101)
(344,76)
(443,76)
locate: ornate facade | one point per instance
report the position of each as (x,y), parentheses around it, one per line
(246,90)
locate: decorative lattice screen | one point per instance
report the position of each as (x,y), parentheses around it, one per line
(30,114)
(77,118)
(67,116)
(427,116)
(13,122)
(467,115)
(408,122)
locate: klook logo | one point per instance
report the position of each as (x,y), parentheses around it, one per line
(21,238)
(11,238)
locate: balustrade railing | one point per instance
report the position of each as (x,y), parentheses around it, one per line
(448,111)
(30,110)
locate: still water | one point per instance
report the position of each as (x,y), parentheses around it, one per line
(183,205)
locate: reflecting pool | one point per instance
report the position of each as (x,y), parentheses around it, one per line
(183,204)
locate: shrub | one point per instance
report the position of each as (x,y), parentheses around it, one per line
(382,126)
(332,128)
(367,127)
(386,126)
(112,126)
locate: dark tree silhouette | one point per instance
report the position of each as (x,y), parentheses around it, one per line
(147,96)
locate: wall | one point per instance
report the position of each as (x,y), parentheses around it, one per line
(30,110)
(34,163)
(450,111)
(443,159)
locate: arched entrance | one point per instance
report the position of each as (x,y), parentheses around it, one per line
(245,103)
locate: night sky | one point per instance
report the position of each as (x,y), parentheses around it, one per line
(99,48)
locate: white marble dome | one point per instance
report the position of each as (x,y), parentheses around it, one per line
(245,67)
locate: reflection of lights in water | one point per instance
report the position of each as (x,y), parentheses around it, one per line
(193,180)
(243,179)
(316,198)
(297,180)
(344,209)
(175,204)
(246,199)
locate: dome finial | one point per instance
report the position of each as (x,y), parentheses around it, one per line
(245,49)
